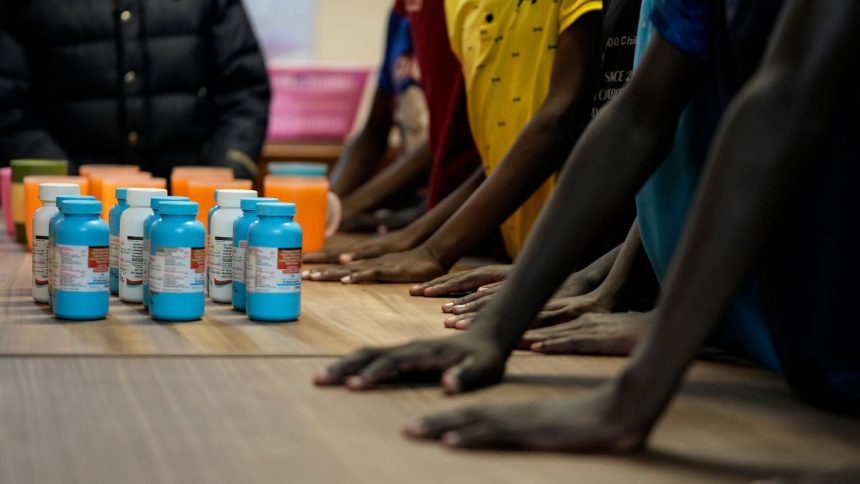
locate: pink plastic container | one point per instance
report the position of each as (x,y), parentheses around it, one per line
(5,188)
(317,103)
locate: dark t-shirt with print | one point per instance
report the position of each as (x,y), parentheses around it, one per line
(620,24)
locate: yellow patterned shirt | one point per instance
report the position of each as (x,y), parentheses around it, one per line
(507,49)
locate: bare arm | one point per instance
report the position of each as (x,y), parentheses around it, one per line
(537,153)
(539,150)
(616,154)
(766,140)
(408,168)
(367,150)
(402,240)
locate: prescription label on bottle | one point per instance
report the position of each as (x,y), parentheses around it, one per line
(178,270)
(239,262)
(131,261)
(55,266)
(41,269)
(221,260)
(146,256)
(82,268)
(275,271)
(114,251)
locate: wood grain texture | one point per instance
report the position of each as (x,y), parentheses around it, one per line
(94,420)
(335,319)
(228,400)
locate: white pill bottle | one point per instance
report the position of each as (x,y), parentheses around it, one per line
(48,193)
(132,259)
(221,243)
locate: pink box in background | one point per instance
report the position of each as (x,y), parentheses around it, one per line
(5,188)
(316,102)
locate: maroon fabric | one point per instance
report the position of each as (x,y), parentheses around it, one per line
(455,157)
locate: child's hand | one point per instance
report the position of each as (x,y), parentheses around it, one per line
(472,303)
(462,281)
(416,265)
(382,221)
(613,334)
(556,311)
(601,422)
(578,284)
(374,247)
(466,363)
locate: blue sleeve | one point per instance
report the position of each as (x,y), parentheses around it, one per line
(386,81)
(398,45)
(686,24)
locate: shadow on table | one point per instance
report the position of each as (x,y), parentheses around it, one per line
(715,468)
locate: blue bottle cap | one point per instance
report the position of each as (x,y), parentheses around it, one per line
(276,209)
(251,203)
(82,207)
(121,194)
(178,208)
(62,199)
(156,201)
(281,168)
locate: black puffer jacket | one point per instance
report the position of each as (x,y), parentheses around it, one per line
(156,83)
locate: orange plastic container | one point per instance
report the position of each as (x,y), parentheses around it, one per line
(311,196)
(87,170)
(31,197)
(181,175)
(97,176)
(109,186)
(203,192)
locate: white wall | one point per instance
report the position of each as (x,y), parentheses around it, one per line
(351,30)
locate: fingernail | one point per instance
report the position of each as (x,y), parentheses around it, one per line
(316,275)
(355,383)
(450,383)
(306,274)
(346,279)
(321,376)
(416,428)
(447,307)
(463,324)
(452,438)
(537,347)
(346,258)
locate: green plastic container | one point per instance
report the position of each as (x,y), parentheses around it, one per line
(25,168)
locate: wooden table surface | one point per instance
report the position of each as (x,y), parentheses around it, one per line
(227,400)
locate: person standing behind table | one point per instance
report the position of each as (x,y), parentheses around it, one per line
(143,82)
(530,70)
(398,103)
(456,169)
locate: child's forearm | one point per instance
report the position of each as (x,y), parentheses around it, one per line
(613,283)
(430,222)
(405,170)
(366,151)
(766,142)
(538,152)
(620,149)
